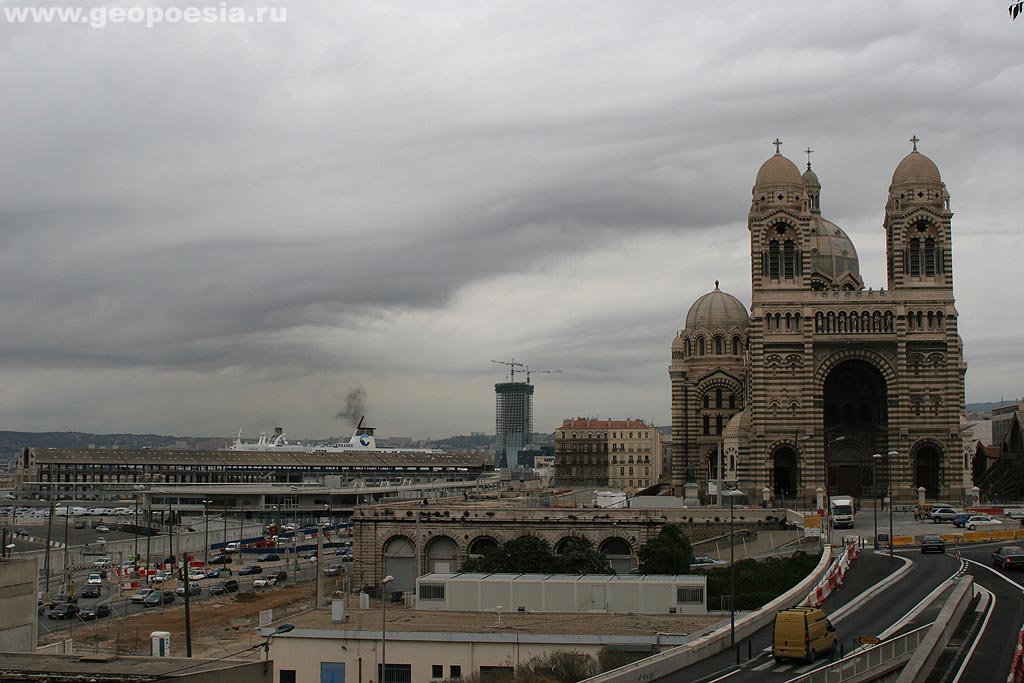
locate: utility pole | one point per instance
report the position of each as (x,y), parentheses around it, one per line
(49,538)
(188,613)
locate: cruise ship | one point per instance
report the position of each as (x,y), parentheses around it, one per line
(362,441)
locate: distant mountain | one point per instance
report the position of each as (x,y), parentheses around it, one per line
(987,406)
(12,443)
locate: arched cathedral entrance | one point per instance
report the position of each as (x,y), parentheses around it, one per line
(784,472)
(927,459)
(856,419)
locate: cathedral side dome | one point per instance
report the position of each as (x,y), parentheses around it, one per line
(717,310)
(917,182)
(832,252)
(778,183)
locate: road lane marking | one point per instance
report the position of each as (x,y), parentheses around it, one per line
(860,600)
(1001,575)
(722,678)
(915,610)
(981,631)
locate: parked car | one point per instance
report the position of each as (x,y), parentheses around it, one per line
(1008,556)
(268,557)
(982,522)
(333,570)
(157,598)
(95,579)
(141,595)
(91,592)
(308,554)
(63,598)
(103,529)
(196,575)
(101,563)
(94,612)
(22,533)
(222,587)
(252,569)
(705,561)
(220,559)
(161,576)
(216,573)
(933,543)
(944,514)
(265,581)
(64,610)
(79,523)
(961,519)
(193,589)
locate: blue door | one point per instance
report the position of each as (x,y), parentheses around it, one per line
(332,672)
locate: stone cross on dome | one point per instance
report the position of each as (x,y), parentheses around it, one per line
(808,152)
(777,143)
(716,284)
(915,140)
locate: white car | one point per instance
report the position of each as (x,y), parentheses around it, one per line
(264,582)
(705,561)
(982,522)
(196,574)
(160,576)
(101,563)
(95,579)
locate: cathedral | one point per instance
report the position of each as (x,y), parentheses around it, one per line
(825,384)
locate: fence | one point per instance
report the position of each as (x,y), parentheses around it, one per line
(871,662)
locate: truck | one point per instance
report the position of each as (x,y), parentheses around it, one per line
(841,509)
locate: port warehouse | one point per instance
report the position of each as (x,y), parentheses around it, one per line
(610,593)
(93,472)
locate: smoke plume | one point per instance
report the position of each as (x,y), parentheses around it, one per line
(354,408)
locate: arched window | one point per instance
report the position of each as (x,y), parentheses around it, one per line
(735,346)
(931,320)
(789,321)
(773,260)
(920,320)
(915,257)
(707,425)
(700,345)
(789,260)
(718,398)
(707,400)
(929,256)
(938,319)
(718,346)
(719,423)
(732,400)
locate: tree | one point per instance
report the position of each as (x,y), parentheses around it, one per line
(667,553)
(578,556)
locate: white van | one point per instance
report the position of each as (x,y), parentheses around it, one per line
(233,547)
(1013,513)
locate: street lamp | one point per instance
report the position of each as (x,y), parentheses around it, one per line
(888,477)
(732,566)
(878,458)
(283,628)
(206,530)
(384,628)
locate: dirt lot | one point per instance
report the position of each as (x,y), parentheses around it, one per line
(218,626)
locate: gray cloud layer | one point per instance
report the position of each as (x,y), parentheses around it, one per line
(205,225)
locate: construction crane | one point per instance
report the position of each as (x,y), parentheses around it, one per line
(512,365)
(545,372)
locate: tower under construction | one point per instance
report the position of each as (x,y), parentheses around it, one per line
(514,421)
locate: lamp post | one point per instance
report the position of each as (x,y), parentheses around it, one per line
(384,628)
(283,628)
(874,539)
(891,454)
(732,566)
(206,530)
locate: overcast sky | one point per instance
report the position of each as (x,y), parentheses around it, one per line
(207,226)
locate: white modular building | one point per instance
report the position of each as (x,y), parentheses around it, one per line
(605,593)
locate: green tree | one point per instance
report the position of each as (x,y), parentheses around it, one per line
(579,556)
(667,553)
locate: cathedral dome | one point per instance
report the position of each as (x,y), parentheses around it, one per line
(778,170)
(832,252)
(916,169)
(810,178)
(717,310)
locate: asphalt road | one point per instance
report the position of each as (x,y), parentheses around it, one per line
(875,616)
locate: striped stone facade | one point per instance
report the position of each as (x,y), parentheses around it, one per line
(821,374)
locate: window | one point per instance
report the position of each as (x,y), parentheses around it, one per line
(689,595)
(455,671)
(395,673)
(773,260)
(431,591)
(789,260)
(436,671)
(286,676)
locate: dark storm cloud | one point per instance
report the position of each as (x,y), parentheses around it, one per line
(332,195)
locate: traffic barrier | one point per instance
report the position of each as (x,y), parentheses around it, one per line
(1017,666)
(903,540)
(977,536)
(951,538)
(1004,535)
(1019,533)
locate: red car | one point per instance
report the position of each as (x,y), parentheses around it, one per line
(1008,556)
